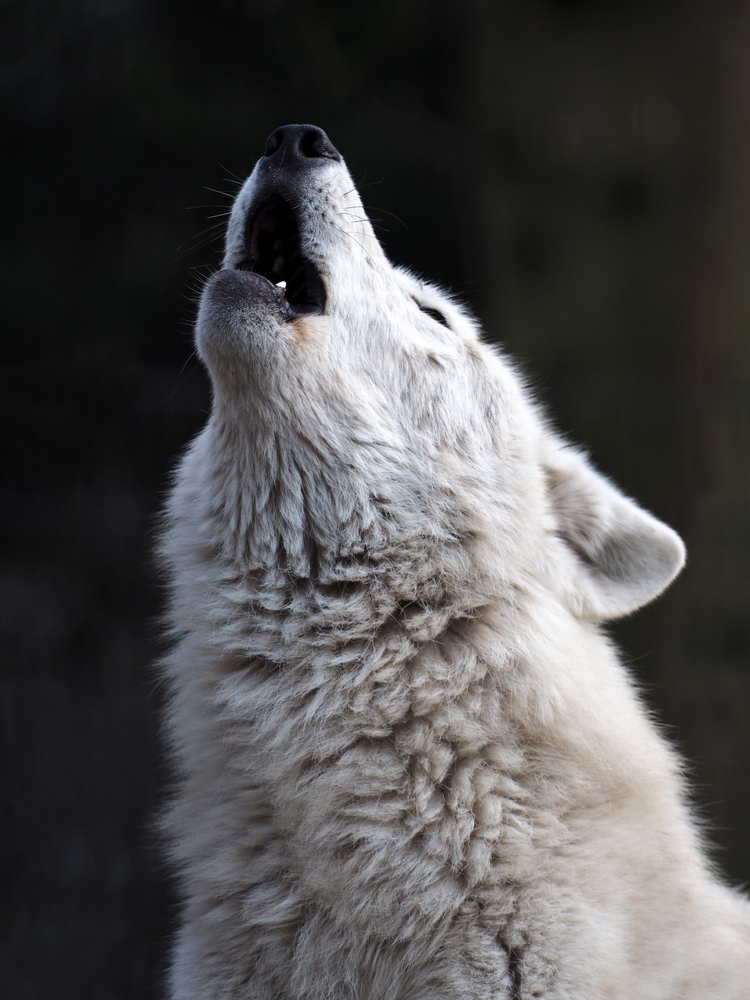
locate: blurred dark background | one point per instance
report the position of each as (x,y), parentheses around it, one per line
(578,172)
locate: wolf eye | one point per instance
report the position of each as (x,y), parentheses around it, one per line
(434,314)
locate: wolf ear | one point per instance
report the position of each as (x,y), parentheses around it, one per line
(614,557)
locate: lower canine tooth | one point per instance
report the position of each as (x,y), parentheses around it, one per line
(281,285)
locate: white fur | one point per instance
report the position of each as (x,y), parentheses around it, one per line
(411,765)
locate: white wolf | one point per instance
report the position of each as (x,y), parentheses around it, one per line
(411,765)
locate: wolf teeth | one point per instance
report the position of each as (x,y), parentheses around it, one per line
(281,285)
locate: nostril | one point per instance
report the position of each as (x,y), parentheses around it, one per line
(313,142)
(273,142)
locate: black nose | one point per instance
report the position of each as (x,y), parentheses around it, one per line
(299,145)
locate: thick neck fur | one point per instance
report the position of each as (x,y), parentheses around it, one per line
(342,541)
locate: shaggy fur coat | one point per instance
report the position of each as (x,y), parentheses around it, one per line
(410,764)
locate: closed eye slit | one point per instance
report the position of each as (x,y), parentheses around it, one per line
(434,313)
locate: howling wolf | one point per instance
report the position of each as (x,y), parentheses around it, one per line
(411,766)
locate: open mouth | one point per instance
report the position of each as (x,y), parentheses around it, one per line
(272,249)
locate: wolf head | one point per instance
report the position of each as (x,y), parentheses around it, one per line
(363,434)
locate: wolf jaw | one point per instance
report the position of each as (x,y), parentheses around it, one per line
(273,250)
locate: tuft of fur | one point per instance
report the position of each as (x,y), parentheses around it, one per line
(411,765)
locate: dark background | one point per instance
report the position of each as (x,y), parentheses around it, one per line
(579,173)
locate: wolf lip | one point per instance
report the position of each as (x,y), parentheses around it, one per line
(273,250)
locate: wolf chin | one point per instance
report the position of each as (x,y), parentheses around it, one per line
(410,764)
